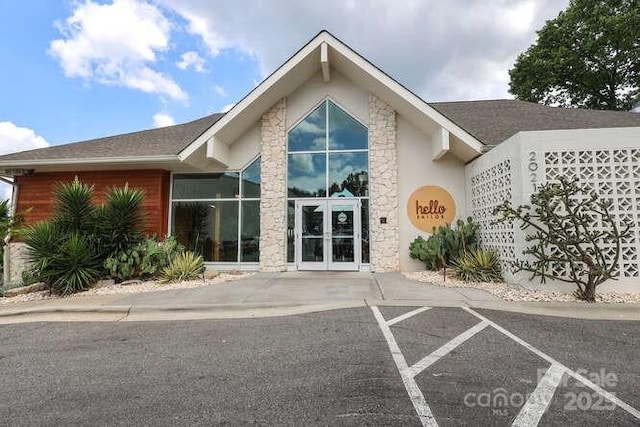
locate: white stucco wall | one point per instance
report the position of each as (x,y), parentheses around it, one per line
(608,160)
(416,169)
(245,148)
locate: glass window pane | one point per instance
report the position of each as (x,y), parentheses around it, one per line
(307,175)
(364,222)
(206,186)
(251,180)
(311,133)
(348,174)
(250,233)
(345,132)
(207,228)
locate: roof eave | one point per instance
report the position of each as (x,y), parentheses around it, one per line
(7,165)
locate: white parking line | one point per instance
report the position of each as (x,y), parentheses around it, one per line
(609,396)
(415,394)
(538,402)
(407,315)
(446,349)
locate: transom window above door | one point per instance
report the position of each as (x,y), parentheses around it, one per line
(328,155)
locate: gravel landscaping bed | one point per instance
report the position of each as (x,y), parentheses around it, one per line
(515,293)
(149,286)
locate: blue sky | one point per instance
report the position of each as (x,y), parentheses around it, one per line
(76,70)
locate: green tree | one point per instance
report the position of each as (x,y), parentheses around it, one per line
(588,57)
(572,230)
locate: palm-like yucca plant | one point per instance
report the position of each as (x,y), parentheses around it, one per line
(42,240)
(185,266)
(74,210)
(75,267)
(122,219)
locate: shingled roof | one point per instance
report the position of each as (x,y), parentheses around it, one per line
(165,141)
(493,121)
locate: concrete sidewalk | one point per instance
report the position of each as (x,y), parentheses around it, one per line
(281,294)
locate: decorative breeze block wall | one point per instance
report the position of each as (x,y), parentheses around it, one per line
(614,174)
(606,160)
(488,188)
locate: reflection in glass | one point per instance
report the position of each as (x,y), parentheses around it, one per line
(251,180)
(207,228)
(342,220)
(206,186)
(348,174)
(312,249)
(307,175)
(342,248)
(250,231)
(345,132)
(342,240)
(310,134)
(312,220)
(312,232)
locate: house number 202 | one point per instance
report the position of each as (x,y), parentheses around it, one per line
(532,167)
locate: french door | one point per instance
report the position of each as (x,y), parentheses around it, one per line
(328,234)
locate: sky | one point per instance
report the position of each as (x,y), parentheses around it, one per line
(73,70)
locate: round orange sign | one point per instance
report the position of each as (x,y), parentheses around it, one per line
(431,206)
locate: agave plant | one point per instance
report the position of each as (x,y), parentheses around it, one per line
(478,265)
(185,266)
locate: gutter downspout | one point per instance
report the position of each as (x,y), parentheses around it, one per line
(6,257)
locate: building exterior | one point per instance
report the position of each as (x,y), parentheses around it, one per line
(330,164)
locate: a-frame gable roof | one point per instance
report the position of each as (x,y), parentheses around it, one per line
(300,67)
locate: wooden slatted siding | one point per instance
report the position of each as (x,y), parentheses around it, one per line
(36,192)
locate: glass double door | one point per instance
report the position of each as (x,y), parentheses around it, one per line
(328,234)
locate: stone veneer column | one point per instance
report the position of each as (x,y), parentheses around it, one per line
(383,184)
(273,194)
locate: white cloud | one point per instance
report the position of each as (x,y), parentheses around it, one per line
(192,60)
(454,50)
(117,44)
(13,139)
(227,107)
(161,120)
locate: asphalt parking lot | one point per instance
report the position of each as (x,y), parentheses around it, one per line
(461,367)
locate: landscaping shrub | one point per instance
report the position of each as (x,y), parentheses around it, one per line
(68,251)
(575,236)
(478,265)
(73,268)
(185,266)
(445,244)
(145,260)
(121,220)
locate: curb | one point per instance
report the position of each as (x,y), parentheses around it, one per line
(597,311)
